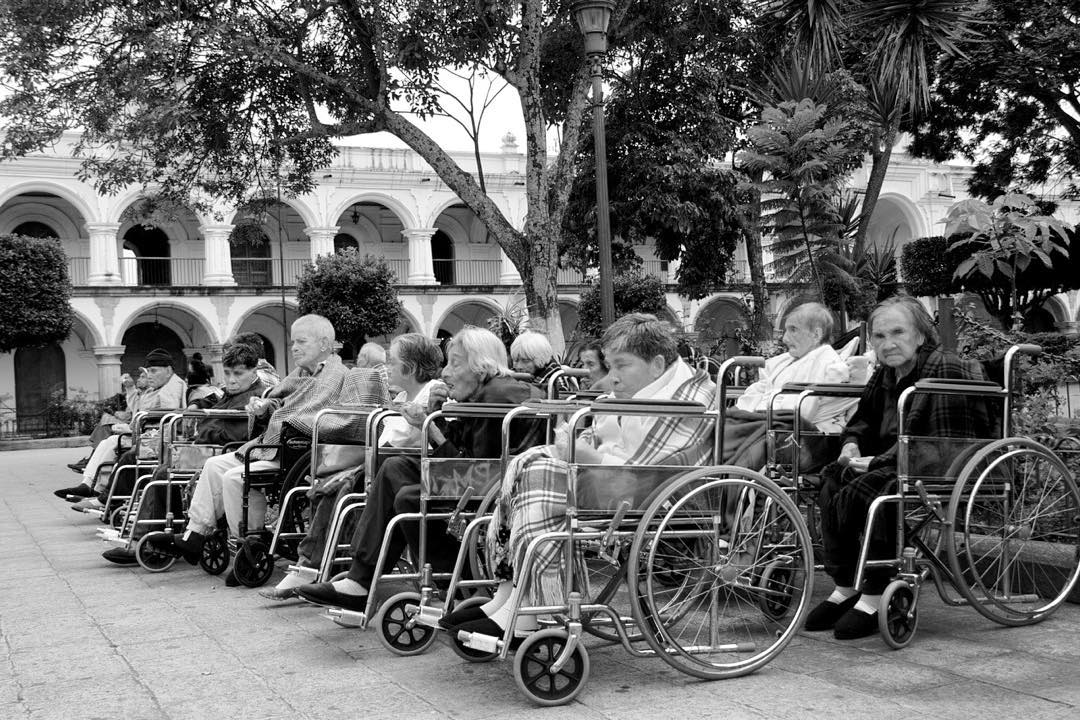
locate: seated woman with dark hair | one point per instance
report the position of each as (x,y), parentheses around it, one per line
(906,345)
(645,365)
(476,372)
(413,366)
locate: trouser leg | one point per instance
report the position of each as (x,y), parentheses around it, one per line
(232,494)
(396,473)
(121,481)
(845,500)
(103,453)
(207,503)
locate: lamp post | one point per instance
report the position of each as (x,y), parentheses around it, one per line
(593,17)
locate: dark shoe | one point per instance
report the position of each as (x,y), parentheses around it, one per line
(120,556)
(324,594)
(487,626)
(231,580)
(460,617)
(825,615)
(175,545)
(856,624)
(78,467)
(81,490)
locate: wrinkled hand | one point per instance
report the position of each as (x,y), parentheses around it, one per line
(257,406)
(437,396)
(850,450)
(413,414)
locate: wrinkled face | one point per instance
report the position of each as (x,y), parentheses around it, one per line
(463,382)
(591,362)
(239,378)
(396,372)
(158,376)
(523,364)
(799,338)
(307,349)
(630,373)
(895,339)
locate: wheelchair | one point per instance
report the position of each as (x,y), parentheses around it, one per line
(1000,531)
(182,458)
(148,448)
(715,565)
(452,491)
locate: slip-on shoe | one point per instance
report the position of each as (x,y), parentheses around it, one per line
(856,624)
(459,617)
(825,615)
(120,556)
(326,594)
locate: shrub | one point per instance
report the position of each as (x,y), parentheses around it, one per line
(927,267)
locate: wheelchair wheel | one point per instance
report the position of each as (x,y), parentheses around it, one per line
(898,614)
(533,674)
(253,565)
(294,518)
(116,517)
(696,569)
(215,554)
(478,552)
(1015,516)
(467,653)
(396,630)
(150,559)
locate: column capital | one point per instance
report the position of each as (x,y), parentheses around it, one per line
(101,228)
(409,233)
(216,229)
(105,353)
(330,230)
(322,240)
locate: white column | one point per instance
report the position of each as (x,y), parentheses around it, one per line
(104,259)
(108,367)
(672,269)
(213,356)
(218,268)
(421,268)
(322,240)
(508,274)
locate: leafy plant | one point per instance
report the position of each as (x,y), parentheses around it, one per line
(634,292)
(35,295)
(1014,257)
(357,294)
(926,267)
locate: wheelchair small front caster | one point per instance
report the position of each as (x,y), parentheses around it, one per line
(149,558)
(898,614)
(215,554)
(533,668)
(253,564)
(396,628)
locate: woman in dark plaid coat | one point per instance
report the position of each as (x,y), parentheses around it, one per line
(906,345)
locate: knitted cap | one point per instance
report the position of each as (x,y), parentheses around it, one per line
(159,357)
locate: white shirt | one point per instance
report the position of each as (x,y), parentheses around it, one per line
(821,365)
(398,433)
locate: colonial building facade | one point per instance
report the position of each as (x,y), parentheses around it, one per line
(181,284)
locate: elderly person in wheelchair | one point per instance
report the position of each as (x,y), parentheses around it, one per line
(315,383)
(476,372)
(644,364)
(809,359)
(907,348)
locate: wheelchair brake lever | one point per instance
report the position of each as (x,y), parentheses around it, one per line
(455,525)
(933,505)
(607,543)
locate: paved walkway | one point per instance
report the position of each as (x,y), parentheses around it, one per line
(82,639)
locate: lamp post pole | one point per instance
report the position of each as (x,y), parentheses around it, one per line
(593,17)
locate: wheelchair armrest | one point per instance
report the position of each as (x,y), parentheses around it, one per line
(484,410)
(556,407)
(958,386)
(835,389)
(617,406)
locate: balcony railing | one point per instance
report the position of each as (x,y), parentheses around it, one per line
(266,272)
(79,270)
(400,268)
(467,272)
(161,271)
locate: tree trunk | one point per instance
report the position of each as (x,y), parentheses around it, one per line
(760,326)
(875,182)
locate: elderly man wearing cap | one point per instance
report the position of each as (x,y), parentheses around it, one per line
(165,391)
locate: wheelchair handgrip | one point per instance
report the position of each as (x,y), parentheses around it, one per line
(1030,349)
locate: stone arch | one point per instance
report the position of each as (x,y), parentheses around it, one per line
(261,308)
(442,207)
(473,311)
(84,206)
(716,324)
(172,314)
(895,216)
(63,226)
(94,335)
(1058,309)
(569,314)
(407,217)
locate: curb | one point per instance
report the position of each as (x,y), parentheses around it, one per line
(45,443)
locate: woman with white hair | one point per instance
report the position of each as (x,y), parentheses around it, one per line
(476,372)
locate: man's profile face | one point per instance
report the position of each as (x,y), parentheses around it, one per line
(158,376)
(307,349)
(799,338)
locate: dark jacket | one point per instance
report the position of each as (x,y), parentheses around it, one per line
(874,425)
(218,431)
(482,438)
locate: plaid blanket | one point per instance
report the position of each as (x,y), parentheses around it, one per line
(534,492)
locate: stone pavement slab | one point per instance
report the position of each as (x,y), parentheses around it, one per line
(83,639)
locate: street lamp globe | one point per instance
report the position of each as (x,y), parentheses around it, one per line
(593,17)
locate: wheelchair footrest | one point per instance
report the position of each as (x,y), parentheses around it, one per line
(426,615)
(347,618)
(307,573)
(109,534)
(479,641)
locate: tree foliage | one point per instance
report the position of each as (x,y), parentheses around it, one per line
(927,267)
(356,293)
(633,292)
(1010,101)
(1013,257)
(35,296)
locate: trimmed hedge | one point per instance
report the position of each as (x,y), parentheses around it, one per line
(927,267)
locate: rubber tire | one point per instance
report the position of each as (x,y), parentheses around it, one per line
(898,614)
(390,625)
(215,554)
(253,564)
(775,607)
(150,559)
(539,650)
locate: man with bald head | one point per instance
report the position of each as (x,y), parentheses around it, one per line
(314,384)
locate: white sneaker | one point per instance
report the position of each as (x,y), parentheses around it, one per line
(90,503)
